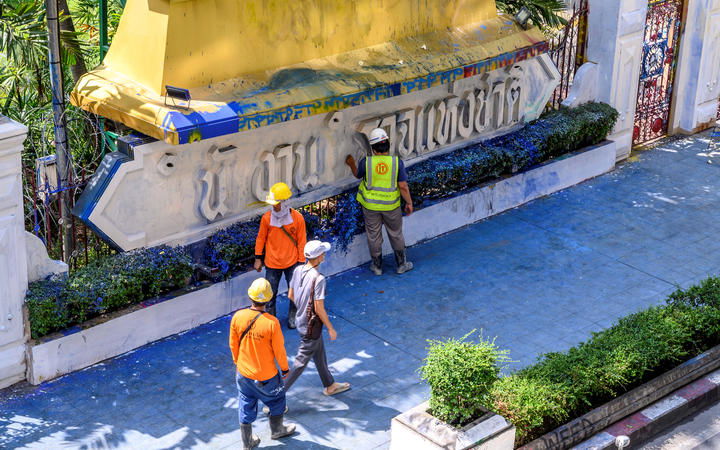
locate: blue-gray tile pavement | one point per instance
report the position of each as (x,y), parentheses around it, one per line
(540,278)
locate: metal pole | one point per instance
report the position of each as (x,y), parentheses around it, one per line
(103,29)
(61,141)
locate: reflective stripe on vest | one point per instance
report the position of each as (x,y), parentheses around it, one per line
(378,190)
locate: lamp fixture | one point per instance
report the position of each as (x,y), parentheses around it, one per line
(176,93)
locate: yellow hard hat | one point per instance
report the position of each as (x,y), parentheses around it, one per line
(278,192)
(260,291)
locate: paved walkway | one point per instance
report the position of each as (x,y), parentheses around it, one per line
(701,431)
(540,278)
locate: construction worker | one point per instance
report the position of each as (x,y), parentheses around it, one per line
(279,244)
(307,291)
(384,181)
(257,344)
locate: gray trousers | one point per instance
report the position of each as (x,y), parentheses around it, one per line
(374,220)
(310,349)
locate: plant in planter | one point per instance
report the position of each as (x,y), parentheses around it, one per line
(106,285)
(460,374)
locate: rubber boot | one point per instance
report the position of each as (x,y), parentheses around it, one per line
(292,312)
(403,265)
(278,430)
(376,265)
(249,440)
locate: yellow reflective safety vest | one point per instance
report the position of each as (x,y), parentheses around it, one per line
(378,191)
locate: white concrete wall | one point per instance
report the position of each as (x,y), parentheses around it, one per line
(615,41)
(697,81)
(13,273)
(68,353)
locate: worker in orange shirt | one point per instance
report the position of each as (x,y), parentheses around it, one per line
(280,244)
(257,344)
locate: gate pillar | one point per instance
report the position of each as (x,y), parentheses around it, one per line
(697,84)
(13,267)
(615,41)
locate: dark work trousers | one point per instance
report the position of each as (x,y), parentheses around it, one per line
(273,276)
(374,220)
(310,349)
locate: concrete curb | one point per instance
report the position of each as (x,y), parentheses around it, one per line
(645,424)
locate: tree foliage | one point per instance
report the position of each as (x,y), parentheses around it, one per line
(543,13)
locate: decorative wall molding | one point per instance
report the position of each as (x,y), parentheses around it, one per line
(13,274)
(615,39)
(697,84)
(179,194)
(584,87)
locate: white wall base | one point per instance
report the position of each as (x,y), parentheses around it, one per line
(91,345)
(12,366)
(415,429)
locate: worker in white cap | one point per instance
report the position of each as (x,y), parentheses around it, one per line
(258,347)
(384,182)
(279,244)
(307,291)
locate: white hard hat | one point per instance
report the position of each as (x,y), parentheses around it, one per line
(313,249)
(378,135)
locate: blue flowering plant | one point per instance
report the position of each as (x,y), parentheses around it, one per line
(106,285)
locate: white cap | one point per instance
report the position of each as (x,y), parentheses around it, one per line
(313,249)
(378,135)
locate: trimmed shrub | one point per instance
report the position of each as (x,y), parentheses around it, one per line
(460,374)
(48,312)
(554,134)
(234,246)
(229,247)
(562,386)
(106,285)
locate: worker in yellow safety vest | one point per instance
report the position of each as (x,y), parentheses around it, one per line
(384,182)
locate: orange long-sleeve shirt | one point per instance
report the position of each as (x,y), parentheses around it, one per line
(264,344)
(280,252)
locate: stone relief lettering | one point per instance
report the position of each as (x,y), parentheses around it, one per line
(466,115)
(307,165)
(295,164)
(490,106)
(482,116)
(216,183)
(406,129)
(514,96)
(275,167)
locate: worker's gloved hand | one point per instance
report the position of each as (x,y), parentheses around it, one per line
(258,264)
(350,161)
(408,209)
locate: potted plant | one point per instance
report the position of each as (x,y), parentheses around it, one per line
(460,373)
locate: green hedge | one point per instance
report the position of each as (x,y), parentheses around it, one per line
(554,134)
(108,284)
(562,386)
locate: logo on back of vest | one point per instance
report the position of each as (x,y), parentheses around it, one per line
(381,168)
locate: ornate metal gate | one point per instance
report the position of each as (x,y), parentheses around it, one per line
(657,71)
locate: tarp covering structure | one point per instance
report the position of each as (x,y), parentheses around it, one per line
(252,63)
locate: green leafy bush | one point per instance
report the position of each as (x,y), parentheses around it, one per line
(707,293)
(48,312)
(460,374)
(562,386)
(106,285)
